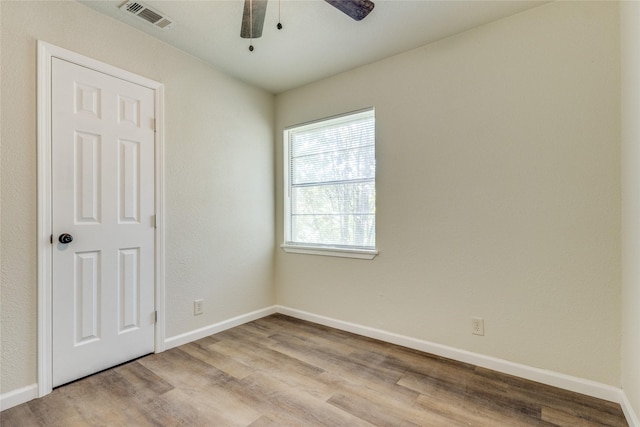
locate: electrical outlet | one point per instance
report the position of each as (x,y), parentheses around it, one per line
(197,307)
(477,326)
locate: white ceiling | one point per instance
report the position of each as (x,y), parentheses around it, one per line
(317,40)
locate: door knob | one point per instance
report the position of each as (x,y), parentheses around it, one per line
(65,238)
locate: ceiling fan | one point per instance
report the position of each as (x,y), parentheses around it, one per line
(254,13)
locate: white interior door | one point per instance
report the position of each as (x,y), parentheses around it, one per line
(103,309)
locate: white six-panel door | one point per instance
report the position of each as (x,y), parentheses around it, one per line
(103,197)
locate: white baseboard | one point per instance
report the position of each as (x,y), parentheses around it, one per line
(629,413)
(196,334)
(18,397)
(30,392)
(567,382)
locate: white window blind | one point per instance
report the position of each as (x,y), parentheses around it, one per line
(331,171)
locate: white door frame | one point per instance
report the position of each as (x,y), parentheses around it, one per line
(46,52)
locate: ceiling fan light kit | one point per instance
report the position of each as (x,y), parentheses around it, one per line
(255,11)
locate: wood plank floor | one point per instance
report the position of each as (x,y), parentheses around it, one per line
(280,371)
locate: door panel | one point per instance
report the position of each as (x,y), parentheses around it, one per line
(86,296)
(128,289)
(103,195)
(87,167)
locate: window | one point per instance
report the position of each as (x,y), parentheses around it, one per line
(330,186)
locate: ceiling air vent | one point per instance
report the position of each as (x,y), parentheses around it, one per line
(150,15)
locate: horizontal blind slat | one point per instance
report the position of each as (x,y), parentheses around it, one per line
(332,183)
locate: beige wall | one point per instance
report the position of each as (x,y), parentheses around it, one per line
(498,192)
(219,175)
(499,188)
(630,43)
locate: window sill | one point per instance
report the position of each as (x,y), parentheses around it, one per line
(327,251)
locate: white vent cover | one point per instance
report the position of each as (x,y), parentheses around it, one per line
(150,15)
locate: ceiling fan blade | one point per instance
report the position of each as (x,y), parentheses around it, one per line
(356,9)
(253,20)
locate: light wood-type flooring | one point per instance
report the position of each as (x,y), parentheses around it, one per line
(280,371)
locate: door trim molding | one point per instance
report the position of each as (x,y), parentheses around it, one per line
(46,52)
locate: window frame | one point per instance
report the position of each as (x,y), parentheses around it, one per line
(311,248)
